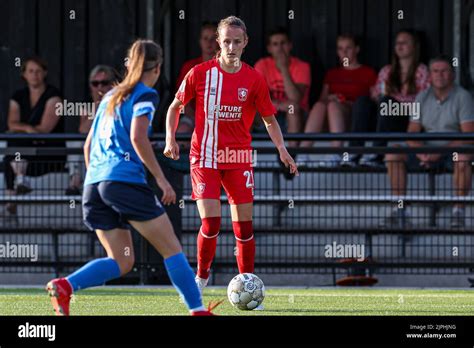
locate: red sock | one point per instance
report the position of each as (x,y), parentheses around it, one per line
(243,232)
(206,243)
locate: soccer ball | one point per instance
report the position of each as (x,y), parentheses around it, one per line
(246,291)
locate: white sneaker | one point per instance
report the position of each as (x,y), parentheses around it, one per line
(259,308)
(201,283)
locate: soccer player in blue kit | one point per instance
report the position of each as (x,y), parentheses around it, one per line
(116,194)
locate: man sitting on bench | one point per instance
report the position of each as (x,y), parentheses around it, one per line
(444,107)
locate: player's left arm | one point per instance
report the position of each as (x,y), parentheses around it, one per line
(142,146)
(274,130)
(265,108)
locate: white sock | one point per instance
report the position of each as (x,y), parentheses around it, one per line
(197,309)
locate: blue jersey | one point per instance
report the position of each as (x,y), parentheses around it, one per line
(112,156)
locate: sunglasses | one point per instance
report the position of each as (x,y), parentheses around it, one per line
(96,83)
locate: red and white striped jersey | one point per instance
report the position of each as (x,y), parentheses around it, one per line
(226,104)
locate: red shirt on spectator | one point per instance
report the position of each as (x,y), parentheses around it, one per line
(300,72)
(187,65)
(351,83)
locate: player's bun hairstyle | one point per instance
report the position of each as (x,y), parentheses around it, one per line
(231,21)
(394,81)
(143,55)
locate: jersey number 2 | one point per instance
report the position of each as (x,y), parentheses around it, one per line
(249,175)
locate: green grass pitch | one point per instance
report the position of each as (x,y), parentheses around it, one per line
(278,301)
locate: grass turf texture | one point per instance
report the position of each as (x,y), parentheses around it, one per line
(278,301)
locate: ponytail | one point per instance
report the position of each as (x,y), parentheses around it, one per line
(143,55)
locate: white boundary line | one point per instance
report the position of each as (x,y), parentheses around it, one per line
(320,288)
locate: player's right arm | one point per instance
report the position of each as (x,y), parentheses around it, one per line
(186,92)
(172,120)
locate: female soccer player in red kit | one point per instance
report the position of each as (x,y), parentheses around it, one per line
(228,94)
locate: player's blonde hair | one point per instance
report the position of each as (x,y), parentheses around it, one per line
(231,21)
(143,55)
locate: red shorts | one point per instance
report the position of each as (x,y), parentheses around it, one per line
(238,184)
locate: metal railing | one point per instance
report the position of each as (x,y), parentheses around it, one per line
(295,221)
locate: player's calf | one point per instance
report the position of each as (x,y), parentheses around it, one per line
(243,231)
(207,243)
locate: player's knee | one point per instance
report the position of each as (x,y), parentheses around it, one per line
(126,264)
(243,230)
(210,226)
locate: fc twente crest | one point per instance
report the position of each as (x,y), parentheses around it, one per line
(200,188)
(243,93)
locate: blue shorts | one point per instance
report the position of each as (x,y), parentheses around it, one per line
(111,204)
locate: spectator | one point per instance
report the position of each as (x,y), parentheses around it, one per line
(444,107)
(208,44)
(289,80)
(101,80)
(341,88)
(398,82)
(32,110)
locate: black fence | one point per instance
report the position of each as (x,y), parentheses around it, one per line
(334,218)
(75,35)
